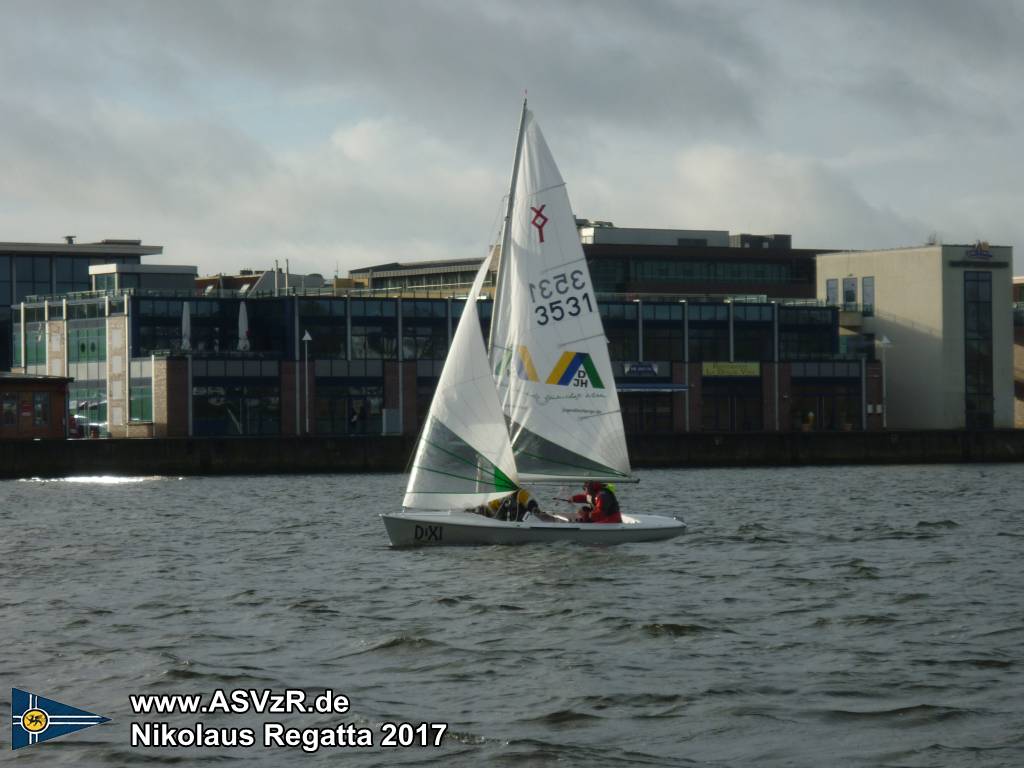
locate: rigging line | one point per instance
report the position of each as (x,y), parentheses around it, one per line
(598,415)
(593,465)
(585,338)
(563,264)
(536,192)
(460,458)
(476,480)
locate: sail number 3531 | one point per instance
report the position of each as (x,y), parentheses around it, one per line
(560,297)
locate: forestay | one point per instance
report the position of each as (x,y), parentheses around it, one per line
(464,457)
(548,348)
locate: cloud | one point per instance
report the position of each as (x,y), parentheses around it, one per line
(364,132)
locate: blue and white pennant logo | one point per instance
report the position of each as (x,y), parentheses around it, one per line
(35,719)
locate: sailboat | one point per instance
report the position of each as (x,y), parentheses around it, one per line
(538,405)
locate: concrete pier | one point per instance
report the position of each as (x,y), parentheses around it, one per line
(268,455)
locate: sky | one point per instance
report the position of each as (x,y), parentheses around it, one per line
(347,133)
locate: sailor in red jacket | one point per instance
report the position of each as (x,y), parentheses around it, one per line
(604,507)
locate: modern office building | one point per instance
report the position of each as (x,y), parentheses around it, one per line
(229,363)
(424,277)
(942,316)
(28,269)
(633,263)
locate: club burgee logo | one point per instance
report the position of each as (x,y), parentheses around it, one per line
(35,719)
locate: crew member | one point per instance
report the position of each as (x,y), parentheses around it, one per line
(602,506)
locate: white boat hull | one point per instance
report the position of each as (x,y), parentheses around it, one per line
(439,528)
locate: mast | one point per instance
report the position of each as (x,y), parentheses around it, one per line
(506,230)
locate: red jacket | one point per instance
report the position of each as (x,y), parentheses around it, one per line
(605,508)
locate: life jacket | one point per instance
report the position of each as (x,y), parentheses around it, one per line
(606,508)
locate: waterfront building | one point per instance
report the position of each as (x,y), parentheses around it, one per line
(28,269)
(227,362)
(633,263)
(945,315)
(33,407)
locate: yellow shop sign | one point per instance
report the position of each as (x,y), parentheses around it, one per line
(731,369)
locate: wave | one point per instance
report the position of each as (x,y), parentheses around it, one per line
(918,714)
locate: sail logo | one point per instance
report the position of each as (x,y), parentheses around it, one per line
(573,369)
(539,220)
(35,719)
(524,366)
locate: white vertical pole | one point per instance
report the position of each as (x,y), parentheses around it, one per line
(305,367)
(885,404)
(401,365)
(686,358)
(640,329)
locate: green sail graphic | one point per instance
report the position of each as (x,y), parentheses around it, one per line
(445,463)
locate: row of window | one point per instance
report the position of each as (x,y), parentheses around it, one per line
(978,373)
(22,276)
(9,409)
(614,274)
(850,292)
(87,344)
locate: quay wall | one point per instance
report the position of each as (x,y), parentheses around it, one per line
(265,455)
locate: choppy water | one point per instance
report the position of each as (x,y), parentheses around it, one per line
(811,617)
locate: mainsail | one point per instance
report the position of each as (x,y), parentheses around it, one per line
(549,352)
(464,457)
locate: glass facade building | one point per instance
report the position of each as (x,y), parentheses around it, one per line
(237,366)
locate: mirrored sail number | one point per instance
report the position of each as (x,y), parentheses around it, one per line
(560,296)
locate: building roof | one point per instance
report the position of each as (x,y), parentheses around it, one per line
(412,267)
(7,376)
(102,248)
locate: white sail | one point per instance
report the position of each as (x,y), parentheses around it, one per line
(243,327)
(464,457)
(548,348)
(186,326)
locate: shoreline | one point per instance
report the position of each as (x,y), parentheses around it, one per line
(312,455)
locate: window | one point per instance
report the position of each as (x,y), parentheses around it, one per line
(9,412)
(87,405)
(849,290)
(424,342)
(824,405)
(807,333)
(868,295)
(35,344)
(646,413)
(349,409)
(236,409)
(16,345)
(978,389)
(5,281)
(141,406)
(87,343)
(40,409)
(753,332)
(709,343)
(663,331)
(832,292)
(663,342)
(32,276)
(731,405)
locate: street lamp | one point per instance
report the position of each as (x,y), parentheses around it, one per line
(306,338)
(884,343)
